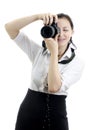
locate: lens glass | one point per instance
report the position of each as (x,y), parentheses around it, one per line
(47,31)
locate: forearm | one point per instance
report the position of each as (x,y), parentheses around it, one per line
(54,79)
(14,26)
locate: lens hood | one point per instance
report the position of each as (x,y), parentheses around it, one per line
(47,31)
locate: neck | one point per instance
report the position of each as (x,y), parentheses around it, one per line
(61,52)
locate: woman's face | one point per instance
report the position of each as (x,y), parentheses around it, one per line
(65,32)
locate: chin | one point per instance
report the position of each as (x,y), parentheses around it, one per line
(62,44)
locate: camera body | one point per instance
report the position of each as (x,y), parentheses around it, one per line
(50,31)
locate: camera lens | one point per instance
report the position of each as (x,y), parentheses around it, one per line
(47,31)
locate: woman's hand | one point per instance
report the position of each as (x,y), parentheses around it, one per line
(48,18)
(52,45)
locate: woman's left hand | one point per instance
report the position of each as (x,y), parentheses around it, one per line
(52,44)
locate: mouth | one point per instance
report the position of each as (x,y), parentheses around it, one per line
(61,40)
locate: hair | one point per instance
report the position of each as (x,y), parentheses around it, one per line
(62,15)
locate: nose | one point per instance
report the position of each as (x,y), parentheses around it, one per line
(60,32)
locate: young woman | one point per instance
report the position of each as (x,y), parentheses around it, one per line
(55,69)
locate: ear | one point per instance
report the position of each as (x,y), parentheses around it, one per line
(72,32)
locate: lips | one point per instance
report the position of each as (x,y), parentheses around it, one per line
(61,40)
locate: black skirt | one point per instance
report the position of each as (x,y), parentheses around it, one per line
(41,111)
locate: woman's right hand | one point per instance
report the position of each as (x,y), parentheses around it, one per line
(48,18)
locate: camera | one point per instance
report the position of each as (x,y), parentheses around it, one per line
(50,31)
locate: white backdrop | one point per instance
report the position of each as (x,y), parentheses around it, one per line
(15,67)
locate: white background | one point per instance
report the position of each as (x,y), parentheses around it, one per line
(15,67)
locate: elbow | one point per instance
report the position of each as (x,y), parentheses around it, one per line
(54,89)
(6,27)
(11,32)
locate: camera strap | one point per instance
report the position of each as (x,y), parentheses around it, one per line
(69,59)
(44,45)
(63,61)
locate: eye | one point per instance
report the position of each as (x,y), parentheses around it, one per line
(66,30)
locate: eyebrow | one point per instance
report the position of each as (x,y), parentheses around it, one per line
(66,27)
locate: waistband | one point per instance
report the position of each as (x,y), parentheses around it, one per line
(45,94)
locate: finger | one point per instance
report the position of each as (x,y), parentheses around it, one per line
(44,20)
(47,19)
(50,19)
(56,37)
(55,18)
(47,39)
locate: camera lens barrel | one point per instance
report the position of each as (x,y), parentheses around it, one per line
(47,31)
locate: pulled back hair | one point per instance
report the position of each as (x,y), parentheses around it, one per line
(62,15)
(65,16)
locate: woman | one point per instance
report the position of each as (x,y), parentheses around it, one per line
(55,69)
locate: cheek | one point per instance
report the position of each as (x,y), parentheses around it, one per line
(69,35)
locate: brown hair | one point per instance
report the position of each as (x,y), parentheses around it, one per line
(62,15)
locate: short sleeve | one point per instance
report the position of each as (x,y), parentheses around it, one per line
(27,45)
(71,74)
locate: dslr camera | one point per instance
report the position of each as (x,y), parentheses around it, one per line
(50,31)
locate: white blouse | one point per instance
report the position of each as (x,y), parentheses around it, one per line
(70,73)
